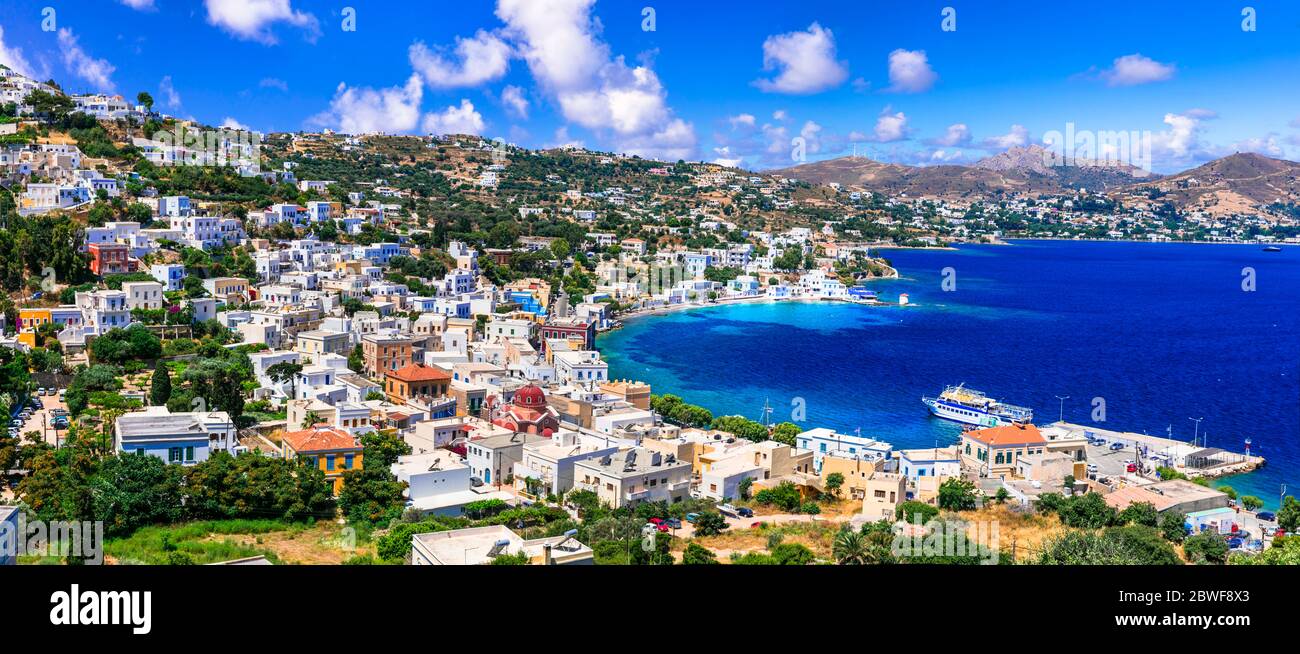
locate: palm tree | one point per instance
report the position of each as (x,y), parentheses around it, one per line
(851,548)
(311,419)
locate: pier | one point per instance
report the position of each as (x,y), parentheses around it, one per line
(1193,460)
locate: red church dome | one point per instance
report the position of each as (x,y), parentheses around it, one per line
(530,396)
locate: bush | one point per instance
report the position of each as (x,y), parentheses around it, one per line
(1206,547)
(916,512)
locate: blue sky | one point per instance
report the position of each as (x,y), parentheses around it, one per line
(727,81)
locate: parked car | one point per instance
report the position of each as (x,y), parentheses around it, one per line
(1132,467)
(1266,516)
(1234,543)
(1116,446)
(756,525)
(692,517)
(745,512)
(662,527)
(673,523)
(656,521)
(1092,468)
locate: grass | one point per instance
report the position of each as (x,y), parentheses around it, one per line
(194,542)
(817,536)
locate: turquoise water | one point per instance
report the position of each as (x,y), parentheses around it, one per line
(1159,332)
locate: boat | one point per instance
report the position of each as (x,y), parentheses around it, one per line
(1272,248)
(972,407)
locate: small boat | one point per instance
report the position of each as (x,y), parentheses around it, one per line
(972,407)
(1272,248)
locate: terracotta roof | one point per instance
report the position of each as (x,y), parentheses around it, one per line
(1008,435)
(417,372)
(321,438)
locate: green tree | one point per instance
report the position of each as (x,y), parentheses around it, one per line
(792,554)
(852,548)
(1251,503)
(371,496)
(709,523)
(698,555)
(1206,547)
(834,482)
(134,490)
(957,494)
(145,99)
(160,390)
(1172,526)
(285,371)
(745,486)
(1140,513)
(1288,517)
(383,448)
(785,432)
(915,512)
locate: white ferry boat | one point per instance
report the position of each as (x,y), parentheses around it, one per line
(972,407)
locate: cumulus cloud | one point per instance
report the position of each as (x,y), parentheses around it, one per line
(890,127)
(483,58)
(805,62)
(366,110)
(139,5)
(463,119)
(1018,136)
(231,123)
(97,72)
(738,120)
(171,99)
(1266,145)
(594,89)
(512,97)
(910,72)
(957,135)
(14,59)
(1134,69)
(251,20)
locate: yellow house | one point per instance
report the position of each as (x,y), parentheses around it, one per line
(331,449)
(29,320)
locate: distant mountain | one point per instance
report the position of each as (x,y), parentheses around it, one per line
(1235,183)
(1024,169)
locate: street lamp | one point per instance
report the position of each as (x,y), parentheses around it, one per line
(1196,437)
(1061,416)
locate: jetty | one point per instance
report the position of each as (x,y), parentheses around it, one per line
(1194,459)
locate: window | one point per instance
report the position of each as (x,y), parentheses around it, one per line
(173,454)
(347,461)
(189,453)
(329,462)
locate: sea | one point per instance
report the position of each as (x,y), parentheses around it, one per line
(1139,337)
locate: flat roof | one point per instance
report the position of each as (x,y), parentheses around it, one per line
(472,546)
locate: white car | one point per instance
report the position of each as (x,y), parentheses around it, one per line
(1092,468)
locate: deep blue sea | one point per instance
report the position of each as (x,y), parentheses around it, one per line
(1162,332)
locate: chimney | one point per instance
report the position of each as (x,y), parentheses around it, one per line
(546,555)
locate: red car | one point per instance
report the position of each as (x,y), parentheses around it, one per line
(1132,467)
(663,527)
(656,521)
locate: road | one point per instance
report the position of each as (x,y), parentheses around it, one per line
(43,420)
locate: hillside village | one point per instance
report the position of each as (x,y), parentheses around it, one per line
(330,348)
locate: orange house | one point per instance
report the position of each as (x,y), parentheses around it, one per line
(331,449)
(416,380)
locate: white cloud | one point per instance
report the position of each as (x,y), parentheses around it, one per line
(890,127)
(957,134)
(739,120)
(140,5)
(14,59)
(515,102)
(251,19)
(231,123)
(594,89)
(1181,139)
(1017,137)
(98,72)
(454,120)
(171,99)
(805,62)
(1134,69)
(725,159)
(366,110)
(780,114)
(1267,145)
(910,72)
(273,83)
(483,58)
